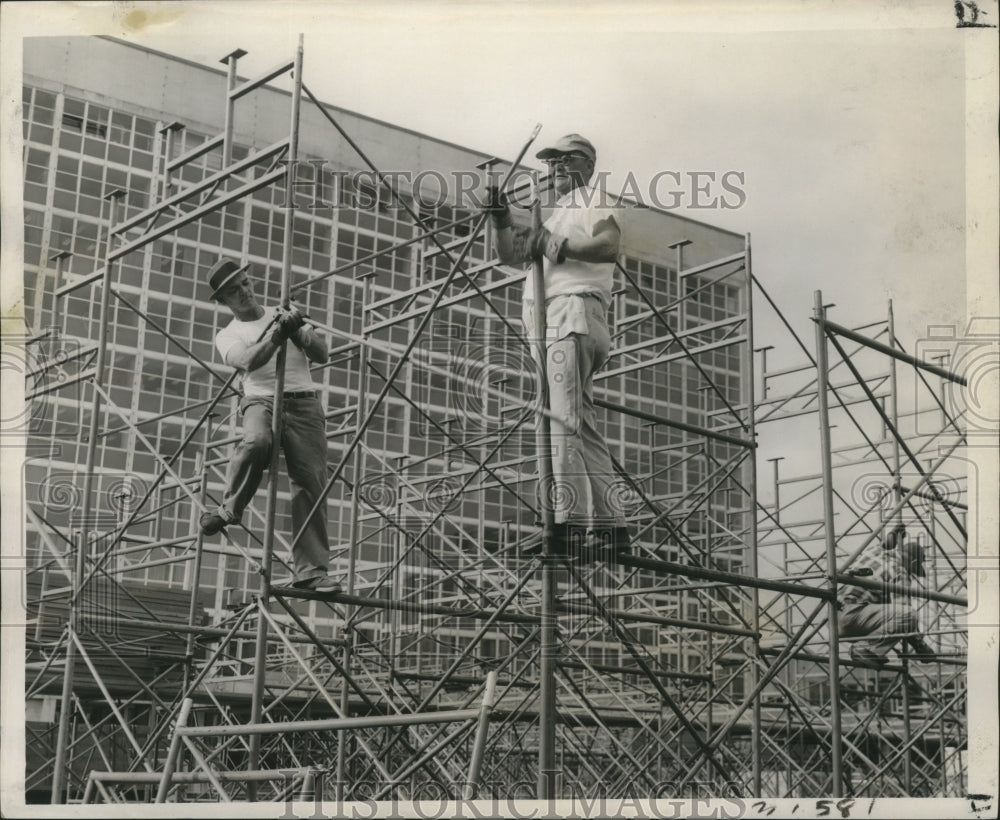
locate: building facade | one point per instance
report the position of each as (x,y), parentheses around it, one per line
(101,115)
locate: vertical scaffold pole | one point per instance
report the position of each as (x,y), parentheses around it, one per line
(267,550)
(822,387)
(59,780)
(227,133)
(353,539)
(199,552)
(176,741)
(897,496)
(543,443)
(752,485)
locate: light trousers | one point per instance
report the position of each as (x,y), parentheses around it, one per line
(585,489)
(303,441)
(884,623)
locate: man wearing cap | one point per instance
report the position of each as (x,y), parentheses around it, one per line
(249,344)
(578,245)
(883,614)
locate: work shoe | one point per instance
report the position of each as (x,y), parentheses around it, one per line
(319,583)
(921,650)
(602,544)
(861,654)
(532,545)
(610,543)
(212,522)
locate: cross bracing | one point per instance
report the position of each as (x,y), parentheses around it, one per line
(704,660)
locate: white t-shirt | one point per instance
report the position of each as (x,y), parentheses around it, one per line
(575,216)
(259,383)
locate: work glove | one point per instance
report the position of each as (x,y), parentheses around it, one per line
(550,245)
(288,322)
(279,334)
(497,208)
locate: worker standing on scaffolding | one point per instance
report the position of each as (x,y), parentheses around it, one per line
(881,613)
(249,344)
(578,245)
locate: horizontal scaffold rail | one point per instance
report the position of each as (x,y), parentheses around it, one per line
(687,354)
(266,77)
(904,590)
(448,301)
(718,263)
(261,775)
(58,385)
(816,657)
(406,606)
(197,151)
(733,578)
(861,339)
(479,613)
(215,632)
(208,183)
(197,213)
(645,617)
(329,724)
(634,670)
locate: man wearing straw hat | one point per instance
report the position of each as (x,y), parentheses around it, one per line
(883,616)
(578,245)
(249,344)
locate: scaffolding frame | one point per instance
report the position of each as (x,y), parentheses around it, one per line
(615,740)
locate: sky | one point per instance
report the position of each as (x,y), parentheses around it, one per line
(848,120)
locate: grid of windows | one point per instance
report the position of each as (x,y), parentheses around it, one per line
(76,151)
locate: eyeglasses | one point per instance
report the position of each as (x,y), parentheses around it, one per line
(564,159)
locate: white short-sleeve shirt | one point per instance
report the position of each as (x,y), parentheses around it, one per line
(259,383)
(575,216)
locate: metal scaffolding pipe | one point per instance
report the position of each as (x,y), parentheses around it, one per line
(79,563)
(270,516)
(840,330)
(548,644)
(822,374)
(902,589)
(753,545)
(580,727)
(174,750)
(677,425)
(731,578)
(479,745)
(329,724)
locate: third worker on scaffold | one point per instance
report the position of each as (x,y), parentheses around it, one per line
(579,245)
